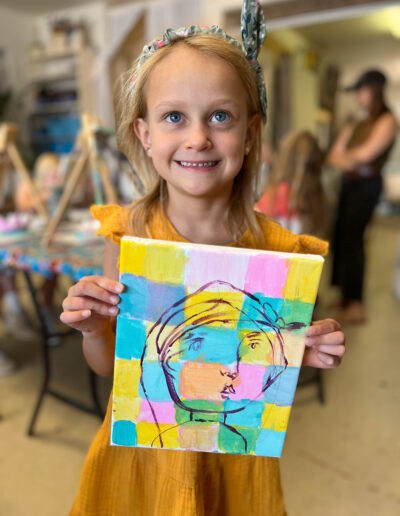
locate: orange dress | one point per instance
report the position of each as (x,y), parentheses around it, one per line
(120,481)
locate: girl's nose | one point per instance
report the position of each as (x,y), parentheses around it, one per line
(198,138)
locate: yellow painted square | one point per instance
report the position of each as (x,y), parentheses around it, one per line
(294,347)
(303,280)
(262,352)
(164,263)
(275,417)
(147,435)
(201,438)
(132,257)
(126,378)
(151,345)
(225,306)
(126,408)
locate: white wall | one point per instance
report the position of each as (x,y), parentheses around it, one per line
(15,36)
(93,15)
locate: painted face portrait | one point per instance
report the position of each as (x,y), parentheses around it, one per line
(220,349)
(209,344)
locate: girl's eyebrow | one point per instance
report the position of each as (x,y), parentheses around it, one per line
(181,104)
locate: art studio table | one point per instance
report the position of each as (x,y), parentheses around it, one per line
(68,256)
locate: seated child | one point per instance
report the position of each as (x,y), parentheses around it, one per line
(294,196)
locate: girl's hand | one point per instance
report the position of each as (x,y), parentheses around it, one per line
(90,303)
(325,344)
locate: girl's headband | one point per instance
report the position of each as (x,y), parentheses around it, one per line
(253,36)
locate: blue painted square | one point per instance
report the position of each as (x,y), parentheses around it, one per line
(161,298)
(269,443)
(135,296)
(264,312)
(217,344)
(131,338)
(281,392)
(124,433)
(250,416)
(154,382)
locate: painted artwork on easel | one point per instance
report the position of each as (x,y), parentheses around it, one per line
(209,345)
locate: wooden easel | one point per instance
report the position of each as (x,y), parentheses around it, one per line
(88,153)
(8,137)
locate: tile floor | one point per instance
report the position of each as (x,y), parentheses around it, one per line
(340,459)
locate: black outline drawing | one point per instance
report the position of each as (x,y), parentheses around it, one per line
(207,314)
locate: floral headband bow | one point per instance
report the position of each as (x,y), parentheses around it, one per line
(253,36)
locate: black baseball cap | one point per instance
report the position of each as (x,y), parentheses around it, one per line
(368,78)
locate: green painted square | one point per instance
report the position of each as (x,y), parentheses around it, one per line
(182,416)
(244,441)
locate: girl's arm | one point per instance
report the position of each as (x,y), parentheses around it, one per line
(91,308)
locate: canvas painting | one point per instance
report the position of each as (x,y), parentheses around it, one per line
(209,345)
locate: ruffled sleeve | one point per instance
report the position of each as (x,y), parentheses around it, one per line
(278,238)
(310,245)
(112,220)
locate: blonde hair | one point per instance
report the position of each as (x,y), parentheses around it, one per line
(299,163)
(131,104)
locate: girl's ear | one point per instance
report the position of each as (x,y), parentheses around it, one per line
(253,126)
(141,128)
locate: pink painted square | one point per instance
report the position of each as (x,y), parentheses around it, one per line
(271,283)
(251,383)
(203,267)
(165,412)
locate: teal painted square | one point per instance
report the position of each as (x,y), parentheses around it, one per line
(281,392)
(124,433)
(250,416)
(264,313)
(216,344)
(269,443)
(131,338)
(154,382)
(135,296)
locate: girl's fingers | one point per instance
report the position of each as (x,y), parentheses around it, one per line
(87,303)
(328,360)
(322,327)
(75,316)
(335,338)
(332,350)
(98,287)
(314,358)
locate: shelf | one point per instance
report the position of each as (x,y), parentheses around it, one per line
(58,107)
(54,56)
(55,78)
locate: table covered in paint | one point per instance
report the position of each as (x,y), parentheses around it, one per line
(68,256)
(24,252)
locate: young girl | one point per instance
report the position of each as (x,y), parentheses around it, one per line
(190,117)
(294,196)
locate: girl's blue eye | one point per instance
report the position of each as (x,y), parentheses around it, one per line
(173,118)
(220,116)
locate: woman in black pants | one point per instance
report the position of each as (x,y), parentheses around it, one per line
(360,151)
